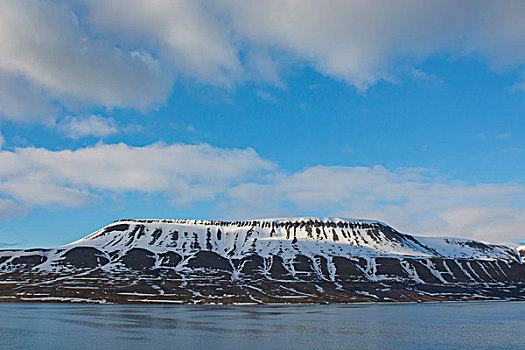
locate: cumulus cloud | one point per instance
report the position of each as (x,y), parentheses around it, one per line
(491,224)
(187,34)
(93,125)
(242,183)
(410,199)
(29,190)
(118,53)
(185,173)
(22,101)
(362,42)
(43,44)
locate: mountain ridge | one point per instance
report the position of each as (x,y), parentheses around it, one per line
(298,259)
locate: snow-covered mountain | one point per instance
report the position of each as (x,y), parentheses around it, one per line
(305,259)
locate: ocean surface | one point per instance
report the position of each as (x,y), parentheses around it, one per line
(483,325)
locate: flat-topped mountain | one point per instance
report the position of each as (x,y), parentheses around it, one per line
(305,259)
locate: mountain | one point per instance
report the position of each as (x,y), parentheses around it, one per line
(287,260)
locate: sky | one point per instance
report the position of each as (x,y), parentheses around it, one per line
(410,112)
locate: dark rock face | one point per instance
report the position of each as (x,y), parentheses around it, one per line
(169,259)
(119,227)
(347,270)
(251,265)
(85,257)
(423,271)
(277,269)
(304,268)
(514,271)
(322,262)
(439,266)
(29,261)
(458,274)
(303,264)
(138,259)
(390,267)
(210,260)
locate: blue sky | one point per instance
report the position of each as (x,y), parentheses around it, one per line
(413,116)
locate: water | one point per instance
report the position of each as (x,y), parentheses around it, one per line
(489,325)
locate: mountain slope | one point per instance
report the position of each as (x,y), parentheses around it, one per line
(305,259)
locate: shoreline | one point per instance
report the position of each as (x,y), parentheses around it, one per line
(84,301)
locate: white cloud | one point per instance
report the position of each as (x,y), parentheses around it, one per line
(22,101)
(241,183)
(44,44)
(30,190)
(362,42)
(185,173)
(409,199)
(93,125)
(187,34)
(10,210)
(496,224)
(118,53)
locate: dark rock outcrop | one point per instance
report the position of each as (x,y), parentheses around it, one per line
(210,260)
(138,259)
(85,257)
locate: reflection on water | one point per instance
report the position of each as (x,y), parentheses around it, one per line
(426,326)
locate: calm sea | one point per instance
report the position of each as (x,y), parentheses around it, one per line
(487,325)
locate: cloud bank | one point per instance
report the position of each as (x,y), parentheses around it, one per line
(77,54)
(246,185)
(412,199)
(185,173)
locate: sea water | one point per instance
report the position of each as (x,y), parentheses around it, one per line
(479,325)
